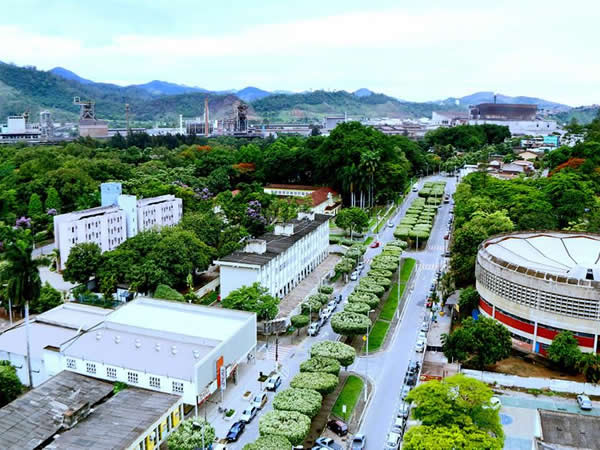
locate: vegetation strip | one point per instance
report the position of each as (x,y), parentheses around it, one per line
(349,397)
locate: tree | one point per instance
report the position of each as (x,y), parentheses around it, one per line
(292,425)
(345,354)
(305,401)
(350,323)
(479,343)
(325,383)
(564,350)
(352,219)
(299,321)
(52,200)
(423,437)
(589,365)
(254,298)
(83,262)
(10,386)
(468,300)
(191,434)
(457,401)
(49,298)
(269,442)
(321,364)
(35,208)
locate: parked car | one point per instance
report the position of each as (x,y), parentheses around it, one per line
(361,265)
(405,391)
(354,276)
(273,383)
(313,328)
(391,224)
(338,299)
(446,254)
(404,410)
(326,313)
(332,305)
(259,400)
(413,367)
(358,442)
(235,431)
(420,346)
(447,236)
(495,402)
(415,188)
(249,414)
(392,441)
(399,425)
(328,443)
(338,427)
(411,378)
(375,244)
(422,336)
(425,325)
(584,402)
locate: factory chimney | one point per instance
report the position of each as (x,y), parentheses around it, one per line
(180,123)
(206,130)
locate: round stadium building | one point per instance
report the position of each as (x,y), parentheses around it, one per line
(540,283)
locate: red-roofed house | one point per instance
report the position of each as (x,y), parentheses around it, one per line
(324,199)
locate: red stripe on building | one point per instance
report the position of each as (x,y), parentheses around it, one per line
(550,334)
(485,306)
(514,323)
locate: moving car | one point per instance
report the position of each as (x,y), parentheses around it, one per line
(584,402)
(259,400)
(273,383)
(415,188)
(392,440)
(235,431)
(391,224)
(354,276)
(328,443)
(375,244)
(249,414)
(358,442)
(338,427)
(420,346)
(313,328)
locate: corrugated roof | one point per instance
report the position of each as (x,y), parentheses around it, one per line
(37,415)
(569,430)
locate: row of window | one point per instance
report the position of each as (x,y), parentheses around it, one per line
(537,299)
(132,377)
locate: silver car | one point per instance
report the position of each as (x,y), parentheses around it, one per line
(584,402)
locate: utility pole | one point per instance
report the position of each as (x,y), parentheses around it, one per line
(28,346)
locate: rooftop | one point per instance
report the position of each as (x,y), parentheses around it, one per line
(127,415)
(40,336)
(152,200)
(37,415)
(563,430)
(74,315)
(277,244)
(559,253)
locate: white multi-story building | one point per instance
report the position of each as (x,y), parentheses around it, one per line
(119,218)
(321,199)
(278,260)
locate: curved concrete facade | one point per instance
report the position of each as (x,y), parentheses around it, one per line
(540,283)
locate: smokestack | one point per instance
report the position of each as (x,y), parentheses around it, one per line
(206,116)
(494,98)
(180,123)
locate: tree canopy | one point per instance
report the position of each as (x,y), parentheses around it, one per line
(254,298)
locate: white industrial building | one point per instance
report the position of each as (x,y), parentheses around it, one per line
(321,199)
(47,330)
(278,260)
(537,127)
(119,218)
(171,347)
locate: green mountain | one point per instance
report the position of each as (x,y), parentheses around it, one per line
(583,114)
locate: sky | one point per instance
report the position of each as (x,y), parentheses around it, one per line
(417,51)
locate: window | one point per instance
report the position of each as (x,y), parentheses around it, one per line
(177,387)
(132,377)
(155,382)
(111,372)
(71,364)
(90,368)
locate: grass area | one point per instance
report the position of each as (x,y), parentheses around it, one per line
(385,219)
(349,396)
(391,303)
(369,240)
(377,335)
(209,298)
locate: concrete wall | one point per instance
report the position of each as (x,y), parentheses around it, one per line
(38,369)
(233,278)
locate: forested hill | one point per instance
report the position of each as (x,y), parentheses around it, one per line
(311,106)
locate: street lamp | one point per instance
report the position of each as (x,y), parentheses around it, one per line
(367,358)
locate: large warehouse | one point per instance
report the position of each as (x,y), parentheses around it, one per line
(540,283)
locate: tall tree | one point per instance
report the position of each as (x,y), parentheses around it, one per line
(53,200)
(35,208)
(10,386)
(254,298)
(564,350)
(83,262)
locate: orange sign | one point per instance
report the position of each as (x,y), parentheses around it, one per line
(219,365)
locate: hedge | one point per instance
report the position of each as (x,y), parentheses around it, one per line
(167,293)
(292,425)
(364,297)
(323,299)
(326,290)
(357,307)
(305,401)
(300,320)
(336,350)
(381,273)
(370,289)
(321,364)
(325,383)
(269,442)
(349,323)
(380,281)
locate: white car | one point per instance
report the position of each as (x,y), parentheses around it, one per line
(354,276)
(332,305)
(399,424)
(249,414)
(259,400)
(422,336)
(326,313)
(392,441)
(391,224)
(584,402)
(420,346)
(425,326)
(313,329)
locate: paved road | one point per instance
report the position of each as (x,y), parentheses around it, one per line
(386,369)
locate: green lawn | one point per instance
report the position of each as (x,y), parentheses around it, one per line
(369,240)
(377,335)
(349,396)
(391,303)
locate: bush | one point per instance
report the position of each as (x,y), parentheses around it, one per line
(370,289)
(384,282)
(10,385)
(167,293)
(364,297)
(189,437)
(350,323)
(325,383)
(292,425)
(344,266)
(321,364)
(381,273)
(310,305)
(269,442)
(358,308)
(326,290)
(336,350)
(305,401)
(323,299)
(299,321)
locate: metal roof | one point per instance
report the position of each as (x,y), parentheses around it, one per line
(37,415)
(40,335)
(277,244)
(568,430)
(570,254)
(74,315)
(118,422)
